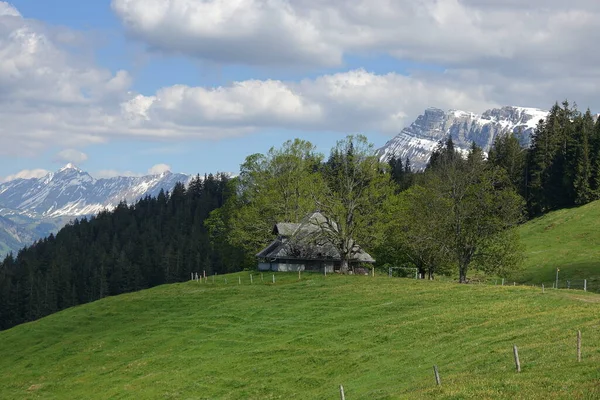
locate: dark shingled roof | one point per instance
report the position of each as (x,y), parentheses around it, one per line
(303,241)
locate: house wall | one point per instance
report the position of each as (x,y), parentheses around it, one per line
(263,266)
(293,267)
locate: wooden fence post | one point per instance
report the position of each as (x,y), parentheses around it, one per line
(273,278)
(543,288)
(251,282)
(585,285)
(437,375)
(516,354)
(342,397)
(299,276)
(578,346)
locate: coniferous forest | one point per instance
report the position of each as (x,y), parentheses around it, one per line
(217,224)
(154,241)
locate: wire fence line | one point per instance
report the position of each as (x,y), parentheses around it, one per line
(586,285)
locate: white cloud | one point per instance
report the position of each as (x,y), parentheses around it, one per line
(112,173)
(454,33)
(8,10)
(229,31)
(493,53)
(159,169)
(47,95)
(345,102)
(71,156)
(26,173)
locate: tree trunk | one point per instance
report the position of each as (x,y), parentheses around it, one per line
(344,266)
(462,270)
(463,266)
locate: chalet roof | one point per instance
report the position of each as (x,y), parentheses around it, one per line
(303,241)
(285,228)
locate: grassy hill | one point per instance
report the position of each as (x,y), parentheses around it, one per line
(379,337)
(567,239)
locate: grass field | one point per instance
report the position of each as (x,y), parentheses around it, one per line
(567,239)
(379,337)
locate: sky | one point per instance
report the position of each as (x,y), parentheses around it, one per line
(130,87)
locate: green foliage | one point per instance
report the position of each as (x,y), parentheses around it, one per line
(562,165)
(357,187)
(472,208)
(379,337)
(412,236)
(508,153)
(271,188)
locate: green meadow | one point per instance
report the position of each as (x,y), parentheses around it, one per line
(301,339)
(568,239)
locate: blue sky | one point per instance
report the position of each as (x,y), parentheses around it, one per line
(120,86)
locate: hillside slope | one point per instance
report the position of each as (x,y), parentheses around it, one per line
(566,239)
(379,337)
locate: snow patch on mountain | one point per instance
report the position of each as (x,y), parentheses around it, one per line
(418,140)
(54,199)
(73,192)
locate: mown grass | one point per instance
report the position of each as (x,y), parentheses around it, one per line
(567,239)
(379,337)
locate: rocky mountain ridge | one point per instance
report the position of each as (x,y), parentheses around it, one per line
(418,140)
(33,208)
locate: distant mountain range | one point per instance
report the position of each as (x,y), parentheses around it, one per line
(419,139)
(33,208)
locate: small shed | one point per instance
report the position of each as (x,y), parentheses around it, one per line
(301,247)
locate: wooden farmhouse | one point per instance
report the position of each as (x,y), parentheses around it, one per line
(303,246)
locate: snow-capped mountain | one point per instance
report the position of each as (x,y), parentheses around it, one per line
(73,192)
(32,208)
(419,139)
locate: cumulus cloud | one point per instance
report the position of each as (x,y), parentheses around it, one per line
(47,95)
(502,51)
(344,102)
(320,32)
(26,173)
(71,156)
(159,169)
(490,53)
(112,173)
(251,31)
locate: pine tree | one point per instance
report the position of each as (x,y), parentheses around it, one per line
(583,168)
(508,154)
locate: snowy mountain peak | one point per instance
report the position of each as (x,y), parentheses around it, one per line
(69,166)
(418,140)
(72,192)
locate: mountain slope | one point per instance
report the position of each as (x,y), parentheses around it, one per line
(378,337)
(419,139)
(13,236)
(36,207)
